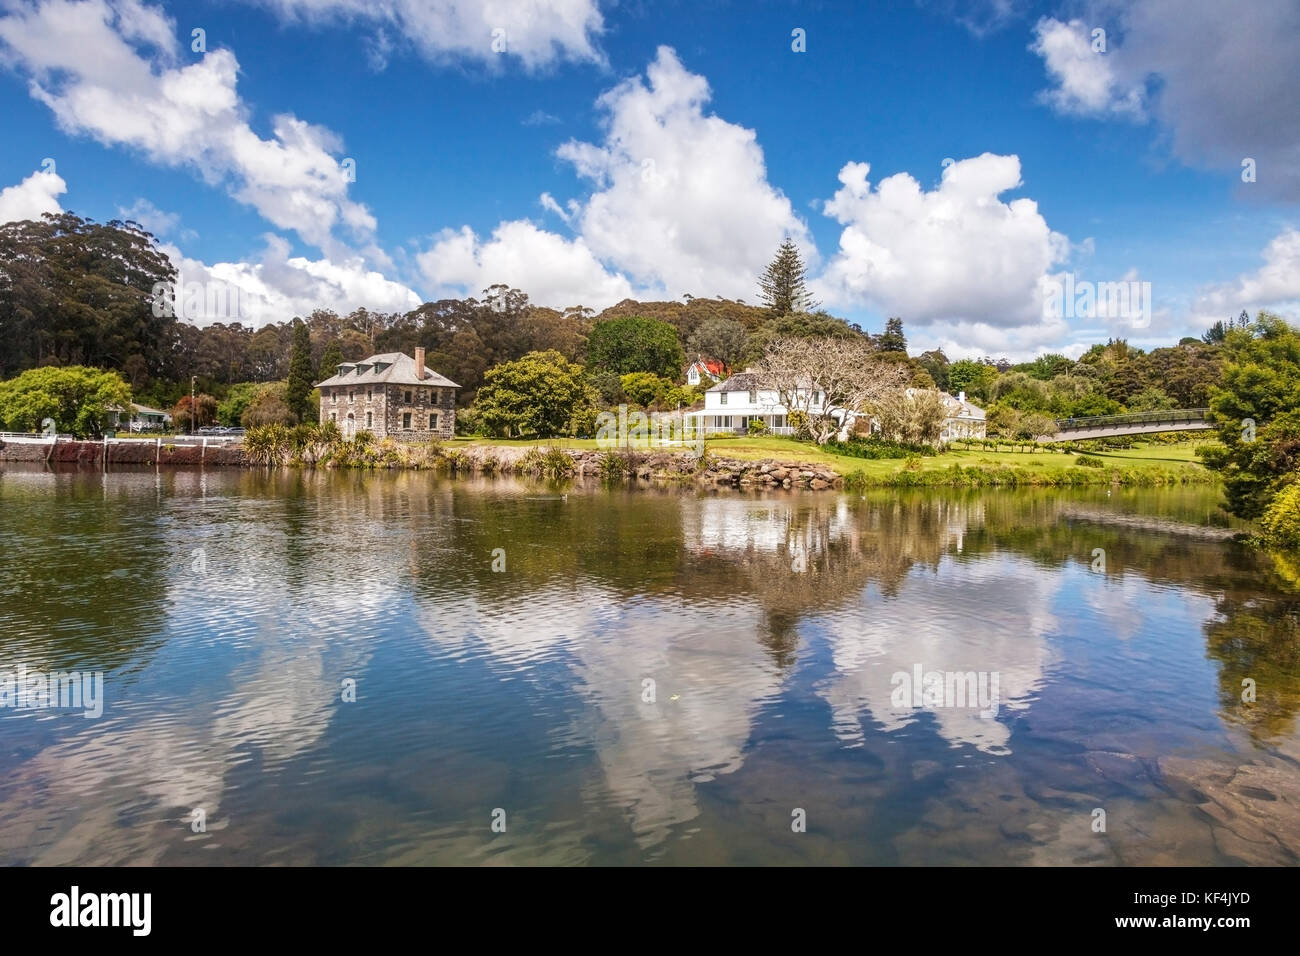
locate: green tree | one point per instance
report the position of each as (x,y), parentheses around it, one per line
(230,410)
(80,400)
(1256,411)
(268,407)
(298,394)
(536,396)
(77,292)
(721,339)
(1151,399)
(1047,367)
(783,286)
(972,377)
(644,388)
(936,363)
(635,344)
(330,359)
(892,339)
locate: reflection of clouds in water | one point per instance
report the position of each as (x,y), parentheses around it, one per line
(279,700)
(652,754)
(1119,604)
(989,615)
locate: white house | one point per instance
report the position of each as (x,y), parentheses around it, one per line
(963,420)
(731,405)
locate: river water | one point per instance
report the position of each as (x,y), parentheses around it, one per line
(345,668)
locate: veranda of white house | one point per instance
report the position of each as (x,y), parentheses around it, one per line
(732,404)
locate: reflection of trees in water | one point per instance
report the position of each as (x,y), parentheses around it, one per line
(1258,638)
(791,555)
(84,581)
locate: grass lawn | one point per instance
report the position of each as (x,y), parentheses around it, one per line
(1165,457)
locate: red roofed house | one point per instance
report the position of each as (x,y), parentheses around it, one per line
(704,370)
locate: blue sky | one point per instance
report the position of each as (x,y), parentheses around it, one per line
(659,149)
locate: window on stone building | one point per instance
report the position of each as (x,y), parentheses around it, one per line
(408,396)
(406,421)
(370,419)
(433,423)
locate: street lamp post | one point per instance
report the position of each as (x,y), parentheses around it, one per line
(193,408)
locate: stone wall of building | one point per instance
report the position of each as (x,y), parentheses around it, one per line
(420,402)
(388,405)
(357,401)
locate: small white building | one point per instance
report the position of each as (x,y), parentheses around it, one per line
(962,419)
(732,404)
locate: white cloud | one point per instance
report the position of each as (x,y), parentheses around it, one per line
(537,32)
(553,270)
(682,198)
(1274,286)
(1220,79)
(680,203)
(540,118)
(1086,79)
(276,286)
(153,219)
(33,197)
(135,91)
(956,254)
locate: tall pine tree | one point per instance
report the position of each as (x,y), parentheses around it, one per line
(782,286)
(300,374)
(892,339)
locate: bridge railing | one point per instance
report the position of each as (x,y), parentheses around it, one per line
(1173,416)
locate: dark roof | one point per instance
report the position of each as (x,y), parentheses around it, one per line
(740,382)
(390,368)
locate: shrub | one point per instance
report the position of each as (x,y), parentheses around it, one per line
(1088,461)
(875,448)
(612,467)
(551,463)
(757,426)
(1280,523)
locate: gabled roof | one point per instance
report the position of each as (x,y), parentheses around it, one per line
(712,366)
(956,408)
(389,368)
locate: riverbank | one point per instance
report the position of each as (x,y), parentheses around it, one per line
(738,462)
(120,452)
(1147,465)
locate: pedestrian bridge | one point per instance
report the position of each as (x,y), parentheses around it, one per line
(1134,423)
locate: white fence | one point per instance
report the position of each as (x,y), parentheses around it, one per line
(204,441)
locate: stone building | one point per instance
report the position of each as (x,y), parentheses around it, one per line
(390,395)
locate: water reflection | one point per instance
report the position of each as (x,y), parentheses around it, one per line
(646,675)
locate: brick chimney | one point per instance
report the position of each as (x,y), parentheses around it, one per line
(419,363)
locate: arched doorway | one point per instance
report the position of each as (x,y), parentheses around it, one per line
(350,427)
